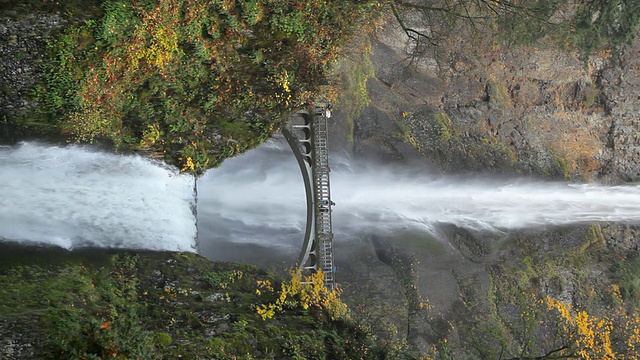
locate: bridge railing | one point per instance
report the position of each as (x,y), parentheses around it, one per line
(321,170)
(307,135)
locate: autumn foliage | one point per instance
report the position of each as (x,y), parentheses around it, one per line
(301,292)
(193,81)
(586,336)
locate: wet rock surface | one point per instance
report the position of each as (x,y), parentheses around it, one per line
(621,85)
(522,111)
(22,48)
(527,110)
(16,341)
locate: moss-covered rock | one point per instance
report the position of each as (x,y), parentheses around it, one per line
(193,82)
(114,304)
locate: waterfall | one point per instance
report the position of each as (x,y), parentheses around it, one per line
(76,196)
(258,198)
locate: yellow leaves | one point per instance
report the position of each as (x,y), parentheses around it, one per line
(150,135)
(265,284)
(266,311)
(282,79)
(188,164)
(90,123)
(164,48)
(425,305)
(302,292)
(558,306)
(634,338)
(600,324)
(589,335)
(155,40)
(285,85)
(615,292)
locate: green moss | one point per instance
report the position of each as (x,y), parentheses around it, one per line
(500,151)
(354,71)
(498,94)
(160,306)
(562,166)
(445,128)
(163,339)
(422,243)
(404,131)
(626,272)
(594,238)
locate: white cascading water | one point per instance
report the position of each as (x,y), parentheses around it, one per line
(259,198)
(76,197)
(383,200)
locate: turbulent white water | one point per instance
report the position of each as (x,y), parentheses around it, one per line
(384,200)
(259,198)
(77,197)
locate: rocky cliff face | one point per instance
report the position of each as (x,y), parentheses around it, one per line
(22,40)
(476,106)
(23,36)
(621,88)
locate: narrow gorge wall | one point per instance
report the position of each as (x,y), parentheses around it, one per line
(471,107)
(476,106)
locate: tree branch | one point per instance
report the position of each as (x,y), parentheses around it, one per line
(411,33)
(548,356)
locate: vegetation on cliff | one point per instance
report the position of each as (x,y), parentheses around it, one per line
(125,305)
(193,82)
(553,294)
(590,25)
(197,82)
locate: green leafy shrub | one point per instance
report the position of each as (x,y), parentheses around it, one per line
(116,332)
(154,305)
(211,78)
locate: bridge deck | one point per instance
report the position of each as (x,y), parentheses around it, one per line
(307,135)
(321,169)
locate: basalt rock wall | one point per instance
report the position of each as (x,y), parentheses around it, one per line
(474,106)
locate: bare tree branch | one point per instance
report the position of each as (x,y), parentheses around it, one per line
(548,356)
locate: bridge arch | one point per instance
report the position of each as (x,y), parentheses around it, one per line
(307,135)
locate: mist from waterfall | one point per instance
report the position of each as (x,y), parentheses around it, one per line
(76,197)
(258,198)
(79,197)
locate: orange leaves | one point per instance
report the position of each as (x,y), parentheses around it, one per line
(105,325)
